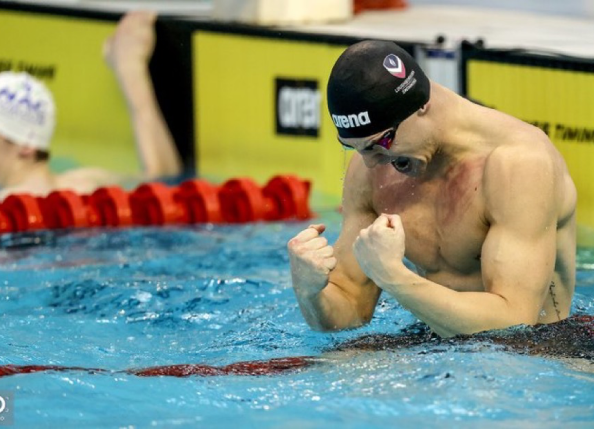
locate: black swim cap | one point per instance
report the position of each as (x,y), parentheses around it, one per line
(373,86)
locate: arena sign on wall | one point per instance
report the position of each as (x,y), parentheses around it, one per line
(298,107)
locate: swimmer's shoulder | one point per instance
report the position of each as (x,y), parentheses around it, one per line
(527,154)
(515,141)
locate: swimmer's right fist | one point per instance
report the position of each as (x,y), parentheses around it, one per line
(312,259)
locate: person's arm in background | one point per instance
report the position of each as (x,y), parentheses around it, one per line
(128,52)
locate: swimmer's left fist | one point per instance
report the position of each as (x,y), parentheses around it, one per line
(379,249)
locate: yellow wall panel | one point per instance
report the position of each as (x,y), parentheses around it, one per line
(234,84)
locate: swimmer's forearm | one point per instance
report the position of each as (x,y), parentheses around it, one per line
(448,312)
(329,310)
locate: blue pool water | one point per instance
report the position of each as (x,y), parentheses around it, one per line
(218,295)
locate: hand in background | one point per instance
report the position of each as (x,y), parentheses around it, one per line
(133,42)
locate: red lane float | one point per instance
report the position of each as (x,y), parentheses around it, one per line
(24,212)
(7,370)
(283,197)
(112,206)
(289,195)
(65,209)
(269,367)
(5,223)
(194,201)
(199,202)
(154,204)
(242,201)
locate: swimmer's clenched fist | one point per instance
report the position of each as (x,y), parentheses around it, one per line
(312,259)
(324,287)
(379,249)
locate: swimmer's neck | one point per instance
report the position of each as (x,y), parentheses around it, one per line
(28,174)
(460,126)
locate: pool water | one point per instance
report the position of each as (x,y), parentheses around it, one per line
(218,295)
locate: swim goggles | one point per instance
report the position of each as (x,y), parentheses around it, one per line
(386,141)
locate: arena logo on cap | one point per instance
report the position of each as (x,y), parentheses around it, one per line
(395,66)
(351,121)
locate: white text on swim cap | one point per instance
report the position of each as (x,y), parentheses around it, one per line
(351,121)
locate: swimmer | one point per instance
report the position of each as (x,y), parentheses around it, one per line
(28,116)
(479,202)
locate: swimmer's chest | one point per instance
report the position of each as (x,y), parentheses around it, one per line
(442,218)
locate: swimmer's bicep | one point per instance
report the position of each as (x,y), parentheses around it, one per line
(516,261)
(518,254)
(519,270)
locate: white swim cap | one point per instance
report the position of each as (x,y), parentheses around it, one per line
(27,110)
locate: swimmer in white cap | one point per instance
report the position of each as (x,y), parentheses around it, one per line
(28,118)
(480,202)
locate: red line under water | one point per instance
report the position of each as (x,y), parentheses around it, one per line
(571,337)
(270,367)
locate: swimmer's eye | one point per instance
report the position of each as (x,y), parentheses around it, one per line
(346,146)
(402,164)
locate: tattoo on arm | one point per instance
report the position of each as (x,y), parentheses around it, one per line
(554,299)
